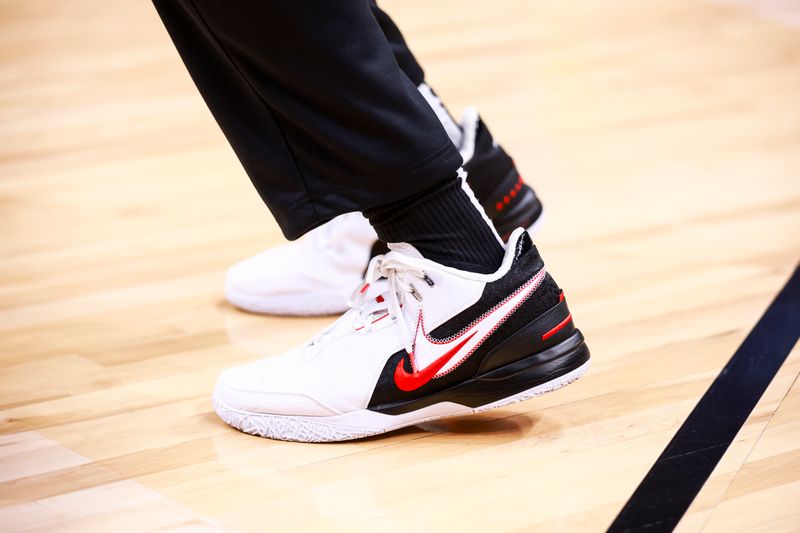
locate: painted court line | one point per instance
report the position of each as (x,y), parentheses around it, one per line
(677,476)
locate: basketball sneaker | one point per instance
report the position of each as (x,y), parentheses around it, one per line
(314,275)
(421,341)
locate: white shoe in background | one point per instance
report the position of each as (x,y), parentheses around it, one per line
(314,275)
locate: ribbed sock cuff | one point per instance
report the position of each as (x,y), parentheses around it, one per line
(445,226)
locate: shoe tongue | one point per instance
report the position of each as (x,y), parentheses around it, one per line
(403,248)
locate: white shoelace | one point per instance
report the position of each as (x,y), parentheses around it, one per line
(361,309)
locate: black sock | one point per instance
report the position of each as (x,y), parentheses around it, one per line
(444,225)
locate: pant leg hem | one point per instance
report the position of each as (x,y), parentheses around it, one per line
(312,211)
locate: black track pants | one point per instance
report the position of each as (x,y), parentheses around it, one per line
(317,98)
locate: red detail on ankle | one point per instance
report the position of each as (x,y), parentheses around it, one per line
(512,192)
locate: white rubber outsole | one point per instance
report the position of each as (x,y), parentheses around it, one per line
(364,423)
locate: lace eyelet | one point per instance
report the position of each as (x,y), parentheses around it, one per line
(415,293)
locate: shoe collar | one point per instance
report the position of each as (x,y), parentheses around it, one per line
(407,253)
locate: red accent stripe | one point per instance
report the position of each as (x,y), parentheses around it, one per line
(557,328)
(379,318)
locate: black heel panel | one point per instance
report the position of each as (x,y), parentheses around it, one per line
(549,329)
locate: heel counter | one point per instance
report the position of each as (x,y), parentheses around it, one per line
(557,318)
(546,322)
(527,259)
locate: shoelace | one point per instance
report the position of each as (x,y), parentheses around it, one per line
(394,271)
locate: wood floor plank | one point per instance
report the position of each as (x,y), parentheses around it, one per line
(664,140)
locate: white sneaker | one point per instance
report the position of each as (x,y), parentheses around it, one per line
(422,341)
(311,276)
(289,280)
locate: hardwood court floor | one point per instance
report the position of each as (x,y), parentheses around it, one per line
(664,139)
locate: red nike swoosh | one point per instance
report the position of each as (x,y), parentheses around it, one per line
(408,382)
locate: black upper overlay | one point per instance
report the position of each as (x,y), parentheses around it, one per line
(519,336)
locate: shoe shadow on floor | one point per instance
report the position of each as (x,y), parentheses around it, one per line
(485,428)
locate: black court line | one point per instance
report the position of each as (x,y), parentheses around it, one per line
(685,464)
